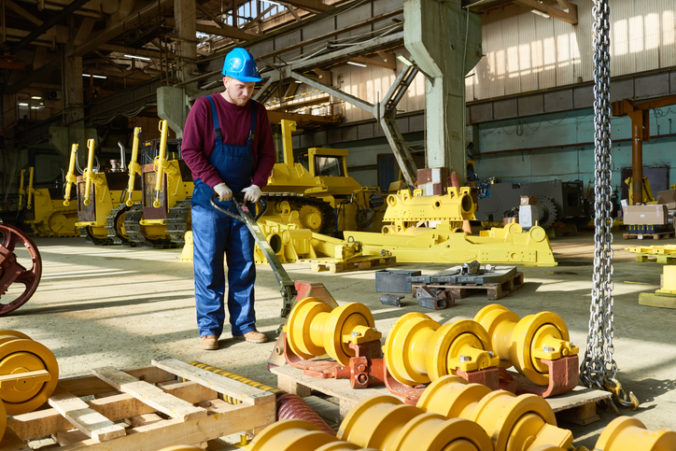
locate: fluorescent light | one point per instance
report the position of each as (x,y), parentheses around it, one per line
(36,97)
(404,60)
(298,81)
(102,77)
(22,104)
(540,13)
(272,2)
(353,63)
(142,58)
(37,107)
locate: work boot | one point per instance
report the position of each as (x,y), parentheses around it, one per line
(209,342)
(252,337)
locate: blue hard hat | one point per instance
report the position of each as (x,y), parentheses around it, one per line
(240,65)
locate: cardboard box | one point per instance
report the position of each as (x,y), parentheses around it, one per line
(667,198)
(645,214)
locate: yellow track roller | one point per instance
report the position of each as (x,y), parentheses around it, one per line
(513,422)
(419,349)
(629,434)
(384,422)
(297,435)
(18,355)
(315,328)
(3,420)
(523,341)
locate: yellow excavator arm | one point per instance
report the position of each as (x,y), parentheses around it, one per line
(161,162)
(22,190)
(71,179)
(134,166)
(29,191)
(91,144)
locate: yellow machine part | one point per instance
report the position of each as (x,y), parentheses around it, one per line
(522,342)
(3,420)
(419,349)
(405,209)
(385,423)
(315,329)
(513,422)
(296,435)
(182,448)
(668,284)
(662,254)
(506,245)
(22,355)
(629,434)
(646,195)
(50,216)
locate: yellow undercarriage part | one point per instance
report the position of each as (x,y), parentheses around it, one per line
(513,422)
(297,435)
(523,341)
(19,354)
(315,329)
(662,254)
(406,209)
(419,349)
(630,434)
(50,217)
(385,423)
(3,420)
(507,245)
(668,284)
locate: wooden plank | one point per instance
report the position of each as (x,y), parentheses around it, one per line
(149,394)
(339,388)
(46,422)
(230,387)
(152,437)
(92,385)
(577,397)
(85,419)
(29,376)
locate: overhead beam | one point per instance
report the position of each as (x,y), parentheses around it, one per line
(569,16)
(133,21)
(9,4)
(53,20)
(315,6)
(220,30)
(131,50)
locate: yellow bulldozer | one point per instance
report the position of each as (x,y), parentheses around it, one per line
(101,196)
(321,196)
(44,211)
(163,216)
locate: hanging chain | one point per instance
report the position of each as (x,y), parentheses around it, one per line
(598,367)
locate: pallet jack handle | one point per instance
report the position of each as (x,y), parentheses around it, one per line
(243,214)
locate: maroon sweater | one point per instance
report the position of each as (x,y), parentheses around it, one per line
(235,121)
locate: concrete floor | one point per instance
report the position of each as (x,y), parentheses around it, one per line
(118,306)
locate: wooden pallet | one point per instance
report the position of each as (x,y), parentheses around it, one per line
(354,264)
(654,236)
(577,406)
(493,290)
(150,408)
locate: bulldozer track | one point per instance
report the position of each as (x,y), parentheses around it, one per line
(86,233)
(296,201)
(135,235)
(111,224)
(177,222)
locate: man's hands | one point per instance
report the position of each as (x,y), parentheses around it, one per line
(224,192)
(252,193)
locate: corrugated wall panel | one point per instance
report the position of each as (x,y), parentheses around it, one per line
(667,33)
(527,57)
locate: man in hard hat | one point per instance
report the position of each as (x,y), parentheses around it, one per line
(227,144)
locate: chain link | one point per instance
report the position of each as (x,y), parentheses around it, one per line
(598,368)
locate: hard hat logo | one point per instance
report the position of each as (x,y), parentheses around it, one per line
(240,65)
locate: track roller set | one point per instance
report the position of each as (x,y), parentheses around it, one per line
(419,350)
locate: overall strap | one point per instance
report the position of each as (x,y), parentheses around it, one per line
(214,119)
(254,107)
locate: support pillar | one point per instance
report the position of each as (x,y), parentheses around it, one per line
(73,99)
(186,28)
(445,42)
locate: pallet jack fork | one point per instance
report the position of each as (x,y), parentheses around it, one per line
(243,213)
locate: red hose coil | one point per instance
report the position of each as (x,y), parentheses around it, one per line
(291,406)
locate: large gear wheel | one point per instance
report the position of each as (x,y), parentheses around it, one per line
(549,212)
(13,271)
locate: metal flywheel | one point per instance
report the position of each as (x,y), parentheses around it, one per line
(12,271)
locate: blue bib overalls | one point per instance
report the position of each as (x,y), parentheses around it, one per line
(215,234)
